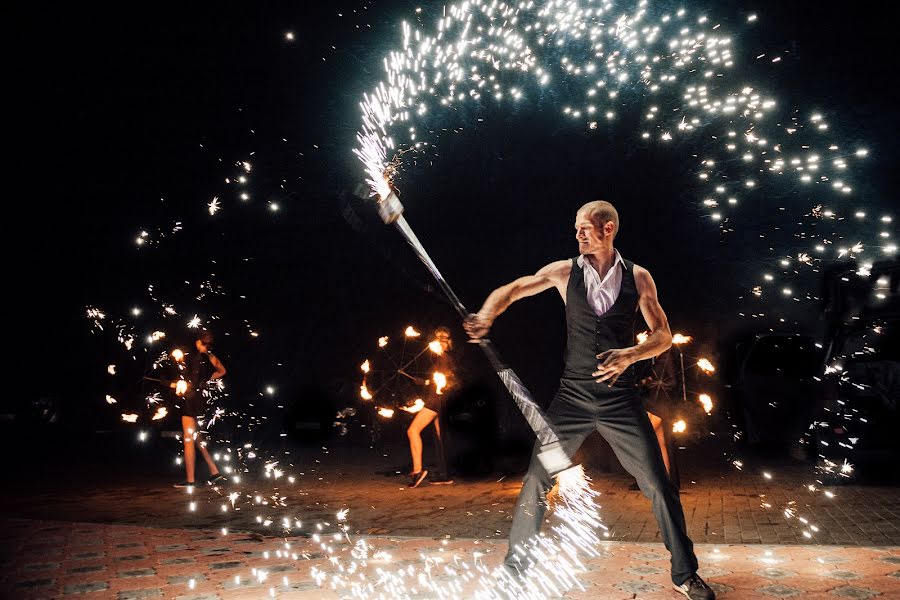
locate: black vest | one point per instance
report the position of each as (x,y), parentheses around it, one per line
(588,335)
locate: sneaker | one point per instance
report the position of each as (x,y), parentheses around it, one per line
(696,589)
(416,478)
(216,479)
(442,480)
(185,484)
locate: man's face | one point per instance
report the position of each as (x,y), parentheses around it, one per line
(589,235)
(200,345)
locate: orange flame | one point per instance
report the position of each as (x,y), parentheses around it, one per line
(411,332)
(387,413)
(364,392)
(178,355)
(365,367)
(440,382)
(679,426)
(435,346)
(706,366)
(416,406)
(707,402)
(679,339)
(181,387)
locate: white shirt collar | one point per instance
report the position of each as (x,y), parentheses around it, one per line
(582,262)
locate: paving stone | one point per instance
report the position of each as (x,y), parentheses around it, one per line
(850,591)
(229,564)
(242,583)
(774,573)
(139,594)
(644,570)
(132,557)
(843,574)
(132,573)
(176,579)
(779,590)
(85,588)
(87,569)
(639,586)
(181,560)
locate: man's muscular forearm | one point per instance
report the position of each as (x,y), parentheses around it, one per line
(496,303)
(656,343)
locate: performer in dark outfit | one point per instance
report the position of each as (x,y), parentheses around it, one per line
(432,412)
(602,293)
(203,366)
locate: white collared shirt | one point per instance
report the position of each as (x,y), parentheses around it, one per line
(602,292)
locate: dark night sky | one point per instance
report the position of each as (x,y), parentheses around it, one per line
(116,111)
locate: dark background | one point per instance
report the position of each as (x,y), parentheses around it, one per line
(129,119)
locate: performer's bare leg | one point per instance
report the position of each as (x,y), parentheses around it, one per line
(422,419)
(191,437)
(189,431)
(213,469)
(661,438)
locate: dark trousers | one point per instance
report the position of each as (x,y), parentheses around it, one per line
(579,408)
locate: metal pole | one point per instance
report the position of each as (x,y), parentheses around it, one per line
(552,456)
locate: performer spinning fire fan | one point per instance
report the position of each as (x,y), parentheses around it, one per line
(433,411)
(203,366)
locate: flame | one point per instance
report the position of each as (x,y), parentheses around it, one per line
(707,402)
(110,399)
(435,346)
(440,382)
(365,367)
(411,332)
(181,387)
(382,341)
(161,412)
(178,355)
(416,406)
(387,413)
(129,417)
(642,337)
(679,426)
(364,392)
(706,366)
(679,339)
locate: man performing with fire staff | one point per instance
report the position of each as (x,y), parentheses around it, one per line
(602,293)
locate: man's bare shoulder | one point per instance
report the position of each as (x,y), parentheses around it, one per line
(557,271)
(642,278)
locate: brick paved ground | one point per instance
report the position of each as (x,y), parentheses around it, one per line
(109,525)
(722,505)
(46,559)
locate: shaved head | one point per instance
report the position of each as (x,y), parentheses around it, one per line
(600,212)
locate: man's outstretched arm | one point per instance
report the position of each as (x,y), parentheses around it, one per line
(614,362)
(552,275)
